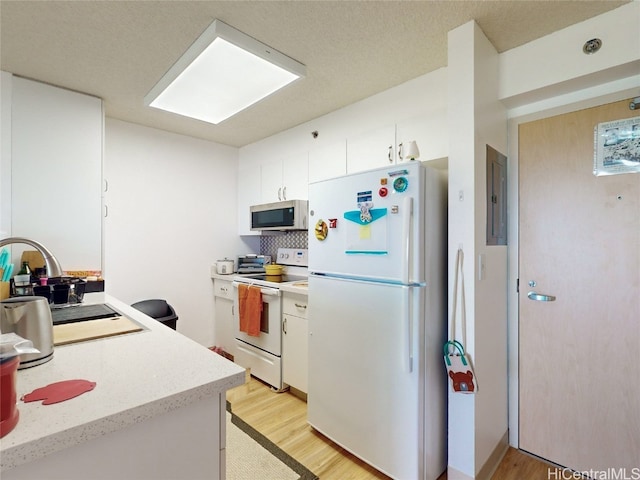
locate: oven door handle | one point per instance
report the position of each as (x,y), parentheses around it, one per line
(264,290)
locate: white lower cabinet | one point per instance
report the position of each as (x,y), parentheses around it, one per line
(223,311)
(295,343)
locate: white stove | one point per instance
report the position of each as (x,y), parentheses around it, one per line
(271,280)
(263,353)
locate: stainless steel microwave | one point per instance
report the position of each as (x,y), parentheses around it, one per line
(285,215)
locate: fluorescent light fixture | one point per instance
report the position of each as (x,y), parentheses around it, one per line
(223,72)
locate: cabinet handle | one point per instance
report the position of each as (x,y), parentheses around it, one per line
(390,154)
(400,155)
(284,325)
(280,193)
(299,305)
(284,193)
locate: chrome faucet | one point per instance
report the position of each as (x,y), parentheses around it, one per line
(53,266)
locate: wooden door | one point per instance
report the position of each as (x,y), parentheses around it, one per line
(579,375)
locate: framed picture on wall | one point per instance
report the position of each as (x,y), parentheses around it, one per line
(617,147)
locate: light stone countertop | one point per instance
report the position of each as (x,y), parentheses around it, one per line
(301,288)
(138,375)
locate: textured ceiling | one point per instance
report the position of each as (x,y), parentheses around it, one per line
(117,50)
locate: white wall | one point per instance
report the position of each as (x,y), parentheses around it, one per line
(5,153)
(171,214)
(555,64)
(477,423)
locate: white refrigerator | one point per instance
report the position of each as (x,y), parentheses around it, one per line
(377,317)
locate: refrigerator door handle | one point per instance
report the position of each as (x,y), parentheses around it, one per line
(407,315)
(407,209)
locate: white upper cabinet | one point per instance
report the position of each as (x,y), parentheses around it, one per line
(56,174)
(270,180)
(429,133)
(372,149)
(285,179)
(249,193)
(288,178)
(328,161)
(388,145)
(295,177)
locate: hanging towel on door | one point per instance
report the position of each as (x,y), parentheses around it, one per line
(250,305)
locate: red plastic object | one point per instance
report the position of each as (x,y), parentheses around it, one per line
(59,391)
(9,414)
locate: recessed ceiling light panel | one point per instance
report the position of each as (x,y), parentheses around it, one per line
(222,73)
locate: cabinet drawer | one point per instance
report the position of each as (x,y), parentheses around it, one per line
(223,288)
(297,305)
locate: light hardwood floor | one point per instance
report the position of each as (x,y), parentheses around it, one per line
(282,417)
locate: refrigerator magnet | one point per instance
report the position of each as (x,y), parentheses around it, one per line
(321,230)
(400,184)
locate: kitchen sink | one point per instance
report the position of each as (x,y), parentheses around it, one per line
(82,313)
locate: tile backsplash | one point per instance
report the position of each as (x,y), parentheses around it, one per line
(269,244)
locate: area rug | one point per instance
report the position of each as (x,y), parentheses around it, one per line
(252,456)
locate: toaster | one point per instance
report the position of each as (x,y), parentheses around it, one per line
(252,263)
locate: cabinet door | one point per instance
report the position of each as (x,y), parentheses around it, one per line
(295,177)
(223,327)
(295,304)
(295,352)
(271,180)
(223,315)
(328,161)
(371,149)
(56,172)
(249,193)
(429,133)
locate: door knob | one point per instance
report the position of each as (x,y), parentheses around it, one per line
(539,297)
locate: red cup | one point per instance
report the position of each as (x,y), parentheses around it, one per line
(9,413)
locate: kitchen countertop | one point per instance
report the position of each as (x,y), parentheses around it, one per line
(139,376)
(301,288)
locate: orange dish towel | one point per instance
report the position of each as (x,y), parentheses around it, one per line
(250,301)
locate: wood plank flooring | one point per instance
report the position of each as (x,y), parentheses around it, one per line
(282,417)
